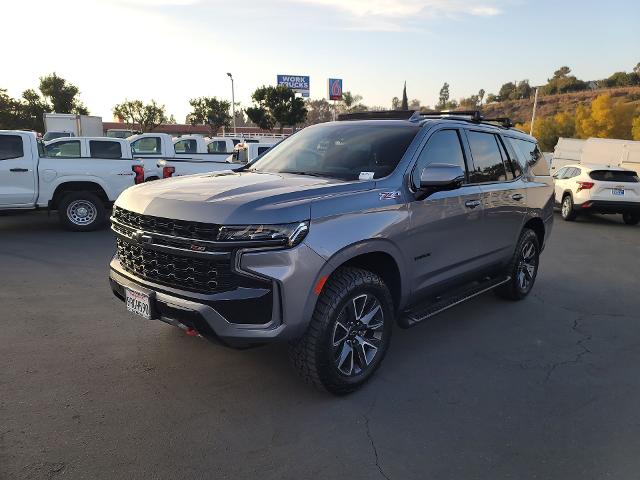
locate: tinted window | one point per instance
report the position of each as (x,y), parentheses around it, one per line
(186,146)
(69,148)
(342,150)
(560,173)
(614,176)
(11,147)
(442,147)
(487,160)
(217,146)
(513,167)
(261,150)
(532,155)
(235,141)
(104,149)
(146,146)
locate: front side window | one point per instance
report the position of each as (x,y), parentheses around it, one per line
(146,146)
(11,147)
(443,147)
(186,146)
(532,155)
(217,146)
(344,150)
(560,173)
(487,160)
(104,149)
(69,149)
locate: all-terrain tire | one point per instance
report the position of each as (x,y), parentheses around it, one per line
(520,265)
(314,355)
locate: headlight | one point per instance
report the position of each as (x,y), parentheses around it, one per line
(291,233)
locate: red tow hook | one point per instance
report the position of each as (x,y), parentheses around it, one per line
(192,332)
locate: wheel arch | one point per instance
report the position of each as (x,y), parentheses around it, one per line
(68,187)
(537,225)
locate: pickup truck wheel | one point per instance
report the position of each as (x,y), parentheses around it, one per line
(567,211)
(523,268)
(81,212)
(631,218)
(349,333)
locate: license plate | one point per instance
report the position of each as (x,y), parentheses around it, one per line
(138,303)
(617,191)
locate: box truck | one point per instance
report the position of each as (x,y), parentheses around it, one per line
(58,125)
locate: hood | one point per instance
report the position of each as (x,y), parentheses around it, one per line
(235,198)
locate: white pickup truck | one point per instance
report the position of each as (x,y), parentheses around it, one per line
(79,176)
(191,152)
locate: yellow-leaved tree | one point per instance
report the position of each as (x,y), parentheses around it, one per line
(635,128)
(547,130)
(604,118)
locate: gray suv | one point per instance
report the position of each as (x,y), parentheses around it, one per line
(335,234)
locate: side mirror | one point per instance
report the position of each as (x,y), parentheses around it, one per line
(440,176)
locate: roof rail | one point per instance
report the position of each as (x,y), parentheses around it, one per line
(381,115)
(475,117)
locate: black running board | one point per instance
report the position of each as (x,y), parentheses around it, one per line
(420,312)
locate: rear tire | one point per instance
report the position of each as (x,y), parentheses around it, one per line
(523,267)
(631,218)
(349,333)
(81,212)
(566,210)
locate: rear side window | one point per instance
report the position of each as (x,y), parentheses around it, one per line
(531,155)
(487,160)
(217,146)
(261,150)
(186,146)
(614,176)
(11,147)
(104,149)
(442,147)
(146,146)
(68,149)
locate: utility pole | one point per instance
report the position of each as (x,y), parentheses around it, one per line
(533,116)
(233,104)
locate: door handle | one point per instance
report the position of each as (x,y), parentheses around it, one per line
(472,203)
(517,196)
(18,169)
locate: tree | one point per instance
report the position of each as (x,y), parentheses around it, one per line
(635,128)
(507,91)
(351,103)
(481,96)
(562,82)
(276,105)
(32,110)
(405,100)
(492,98)
(10,111)
(135,113)
(318,111)
(414,104)
(523,90)
(61,94)
(171,120)
(210,111)
(605,118)
(444,96)
(620,79)
(636,69)
(547,130)
(396,103)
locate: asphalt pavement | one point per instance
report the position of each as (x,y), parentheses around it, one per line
(546,388)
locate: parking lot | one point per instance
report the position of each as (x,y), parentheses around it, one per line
(544,388)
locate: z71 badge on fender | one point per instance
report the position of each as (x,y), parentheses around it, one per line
(389,195)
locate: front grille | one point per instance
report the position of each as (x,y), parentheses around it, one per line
(167,226)
(183,272)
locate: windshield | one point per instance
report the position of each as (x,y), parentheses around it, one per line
(342,150)
(53,135)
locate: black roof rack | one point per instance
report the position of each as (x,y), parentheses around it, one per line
(474,116)
(380,115)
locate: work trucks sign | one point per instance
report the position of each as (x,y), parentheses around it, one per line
(299,84)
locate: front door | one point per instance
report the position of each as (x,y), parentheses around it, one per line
(17,172)
(441,244)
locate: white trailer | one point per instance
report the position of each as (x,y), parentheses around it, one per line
(58,125)
(567,151)
(616,153)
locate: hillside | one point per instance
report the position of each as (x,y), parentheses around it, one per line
(520,110)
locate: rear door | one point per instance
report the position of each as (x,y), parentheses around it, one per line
(503,195)
(441,244)
(108,158)
(615,185)
(17,171)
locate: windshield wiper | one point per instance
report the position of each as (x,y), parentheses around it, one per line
(309,174)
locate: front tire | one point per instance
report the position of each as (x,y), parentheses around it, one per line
(523,268)
(349,333)
(81,212)
(630,218)
(567,211)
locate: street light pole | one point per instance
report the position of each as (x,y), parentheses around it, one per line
(533,116)
(233,104)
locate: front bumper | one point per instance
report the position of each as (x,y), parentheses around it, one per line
(282,310)
(606,206)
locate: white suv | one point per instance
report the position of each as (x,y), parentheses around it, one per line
(599,189)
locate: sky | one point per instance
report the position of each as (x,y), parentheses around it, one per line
(174,50)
